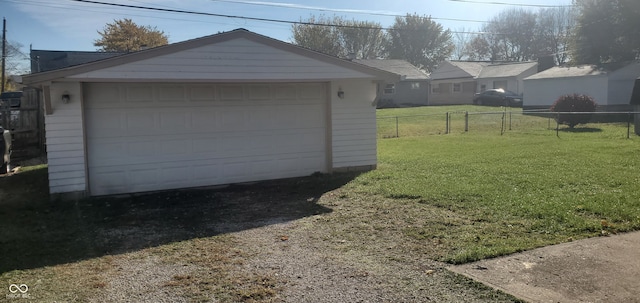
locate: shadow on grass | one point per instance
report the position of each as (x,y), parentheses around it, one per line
(35,232)
(581,130)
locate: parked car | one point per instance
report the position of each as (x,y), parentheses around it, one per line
(498,97)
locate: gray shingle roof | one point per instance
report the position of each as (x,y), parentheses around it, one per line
(46,60)
(472,68)
(399,67)
(506,69)
(569,71)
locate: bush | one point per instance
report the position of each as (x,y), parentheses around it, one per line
(574,103)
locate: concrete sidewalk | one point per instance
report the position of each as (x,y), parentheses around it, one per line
(602,269)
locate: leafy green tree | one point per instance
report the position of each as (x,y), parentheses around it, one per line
(126,36)
(339,37)
(606,31)
(419,40)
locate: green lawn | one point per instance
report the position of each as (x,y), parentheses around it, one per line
(431,120)
(511,192)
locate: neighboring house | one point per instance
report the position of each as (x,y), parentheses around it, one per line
(413,88)
(508,76)
(227,108)
(454,82)
(610,85)
(46,60)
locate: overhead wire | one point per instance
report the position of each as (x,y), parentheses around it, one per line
(172,10)
(511,4)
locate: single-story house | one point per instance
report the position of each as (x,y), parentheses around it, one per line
(455,82)
(413,88)
(508,76)
(610,85)
(227,108)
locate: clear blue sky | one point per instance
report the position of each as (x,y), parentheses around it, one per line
(71,25)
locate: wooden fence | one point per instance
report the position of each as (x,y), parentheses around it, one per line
(26,124)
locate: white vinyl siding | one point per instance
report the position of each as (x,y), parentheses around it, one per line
(544,92)
(229,61)
(151,136)
(65,141)
(354,126)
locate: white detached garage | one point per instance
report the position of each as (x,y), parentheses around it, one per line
(232,107)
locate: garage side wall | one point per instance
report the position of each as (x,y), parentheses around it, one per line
(65,140)
(542,93)
(353,122)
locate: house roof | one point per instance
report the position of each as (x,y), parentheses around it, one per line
(506,69)
(71,71)
(569,72)
(46,60)
(472,68)
(400,67)
(457,69)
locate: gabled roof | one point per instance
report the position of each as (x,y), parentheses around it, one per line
(46,60)
(112,63)
(400,67)
(457,70)
(506,69)
(569,72)
(471,68)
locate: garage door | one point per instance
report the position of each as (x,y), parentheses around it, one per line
(144,137)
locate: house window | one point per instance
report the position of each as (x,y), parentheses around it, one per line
(435,89)
(390,89)
(457,87)
(500,84)
(483,87)
(415,85)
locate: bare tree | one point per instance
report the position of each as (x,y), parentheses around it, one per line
(461,39)
(553,32)
(339,37)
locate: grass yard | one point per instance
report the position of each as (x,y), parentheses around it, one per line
(454,198)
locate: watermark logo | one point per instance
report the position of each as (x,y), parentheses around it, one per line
(18,291)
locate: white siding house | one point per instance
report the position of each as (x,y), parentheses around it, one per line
(232,107)
(454,82)
(508,76)
(610,86)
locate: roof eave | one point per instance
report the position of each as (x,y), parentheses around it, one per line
(35,79)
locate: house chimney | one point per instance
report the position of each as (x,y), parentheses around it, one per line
(545,63)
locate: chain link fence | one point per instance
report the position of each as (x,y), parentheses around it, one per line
(612,124)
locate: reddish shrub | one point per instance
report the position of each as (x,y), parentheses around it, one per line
(574,103)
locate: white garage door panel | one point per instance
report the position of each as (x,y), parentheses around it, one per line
(143,137)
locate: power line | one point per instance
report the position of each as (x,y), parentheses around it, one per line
(170,10)
(325,9)
(512,4)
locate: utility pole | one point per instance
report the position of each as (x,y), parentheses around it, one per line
(4,50)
